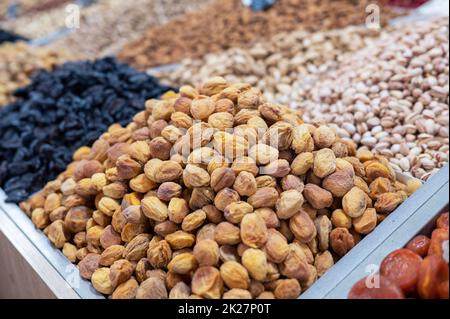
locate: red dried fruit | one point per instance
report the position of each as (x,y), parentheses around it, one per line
(386,290)
(402,267)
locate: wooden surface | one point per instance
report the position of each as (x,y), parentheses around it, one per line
(24,271)
(17,277)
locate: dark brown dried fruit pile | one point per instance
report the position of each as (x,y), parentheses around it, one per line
(214,193)
(228,24)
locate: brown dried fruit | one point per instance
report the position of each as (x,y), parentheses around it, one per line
(221,178)
(126,290)
(207,283)
(269,216)
(236,211)
(388,202)
(375,170)
(295,264)
(159,253)
(323,262)
(365,223)
(225,197)
(287,289)
(323,227)
(206,252)
(354,202)
(324,137)
(194,176)
(70,251)
(317,197)
(302,226)
(137,247)
(255,261)
(108,206)
(338,183)
(180,291)
(263,154)
(227,234)
(101,282)
(111,254)
(154,208)
(109,237)
(152,288)
(234,275)
(180,240)
(193,220)
(341,241)
(340,219)
(178,209)
(253,230)
(182,263)
(324,163)
(245,184)
(169,190)
(276,247)
(289,203)
(264,197)
(165,228)
(57,233)
(120,271)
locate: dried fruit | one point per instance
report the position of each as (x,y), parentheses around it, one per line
(182,263)
(317,197)
(354,202)
(324,162)
(289,203)
(402,268)
(341,241)
(206,252)
(255,261)
(101,282)
(152,288)
(207,283)
(253,230)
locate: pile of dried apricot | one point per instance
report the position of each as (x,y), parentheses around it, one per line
(214,193)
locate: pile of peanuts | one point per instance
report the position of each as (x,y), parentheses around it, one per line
(21,61)
(386,90)
(229,24)
(214,193)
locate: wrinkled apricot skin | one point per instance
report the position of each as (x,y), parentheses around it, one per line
(419,245)
(442,221)
(438,237)
(387,290)
(402,267)
(433,273)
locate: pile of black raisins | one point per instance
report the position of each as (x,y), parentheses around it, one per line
(6,36)
(62,110)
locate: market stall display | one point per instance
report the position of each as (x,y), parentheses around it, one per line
(386,90)
(266,149)
(20,61)
(61,110)
(229,24)
(420,270)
